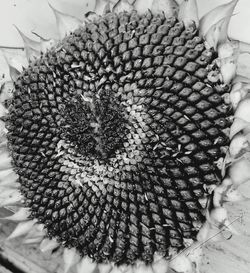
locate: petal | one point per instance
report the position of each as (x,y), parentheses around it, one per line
(239,171)
(22,229)
(86,266)
(122,5)
(48,244)
(226,50)
(228,71)
(13,199)
(169,7)
(243,110)
(233,195)
(181,263)
(203,233)
(101,6)
(3,111)
(236,95)
(21,215)
(238,143)
(195,254)
(188,13)
(160,266)
(243,46)
(6,90)
(143,269)
(9,197)
(29,241)
(237,126)
(14,73)
(214,33)
(5,160)
(70,257)
(218,215)
(65,23)
(9,180)
(143,5)
(104,268)
(227,256)
(215,15)
(32,47)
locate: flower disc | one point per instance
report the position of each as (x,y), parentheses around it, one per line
(116,133)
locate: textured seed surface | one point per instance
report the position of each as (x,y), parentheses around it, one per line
(115,133)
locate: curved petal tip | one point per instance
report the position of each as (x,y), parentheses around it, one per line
(32,47)
(21,229)
(188,13)
(86,266)
(215,15)
(65,23)
(122,5)
(169,7)
(143,6)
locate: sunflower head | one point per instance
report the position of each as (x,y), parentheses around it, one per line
(119,135)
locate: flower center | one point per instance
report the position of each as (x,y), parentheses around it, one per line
(95,123)
(115,135)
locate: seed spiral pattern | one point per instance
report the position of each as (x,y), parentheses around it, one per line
(115,134)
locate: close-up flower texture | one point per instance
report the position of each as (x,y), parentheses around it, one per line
(124,145)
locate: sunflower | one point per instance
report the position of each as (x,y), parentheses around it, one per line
(126,143)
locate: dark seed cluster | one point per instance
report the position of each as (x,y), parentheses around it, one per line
(115,135)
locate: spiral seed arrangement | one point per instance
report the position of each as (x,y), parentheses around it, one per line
(119,136)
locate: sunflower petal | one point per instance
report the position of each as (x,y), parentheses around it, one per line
(122,269)
(238,92)
(203,232)
(215,15)
(122,5)
(227,256)
(169,7)
(8,180)
(13,198)
(142,268)
(86,266)
(21,215)
(35,240)
(239,171)
(241,79)
(9,196)
(228,70)
(218,215)
(21,229)
(32,47)
(5,160)
(6,90)
(237,126)
(3,111)
(70,258)
(48,244)
(101,6)
(188,13)
(243,110)
(243,46)
(233,195)
(14,73)
(160,266)
(238,143)
(143,5)
(104,268)
(181,263)
(214,34)
(65,23)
